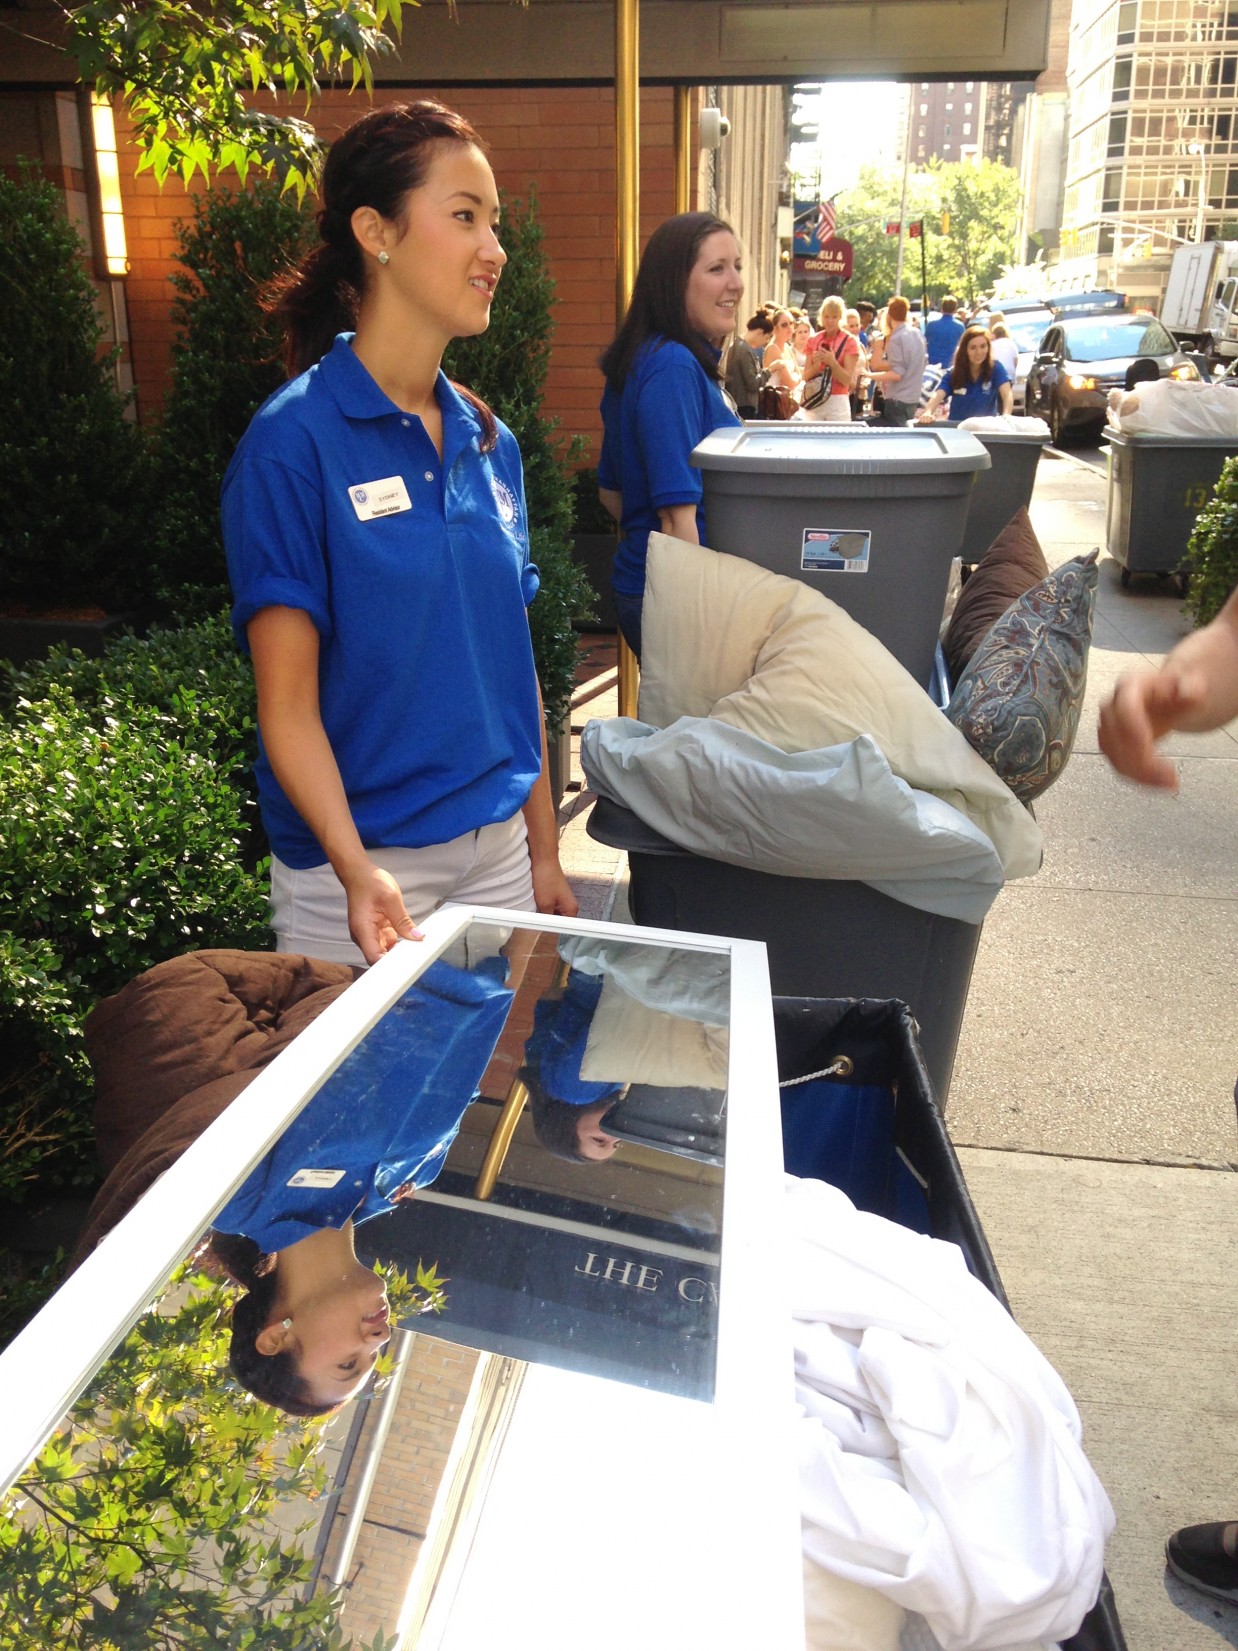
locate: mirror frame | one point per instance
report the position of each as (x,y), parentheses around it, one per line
(50,1363)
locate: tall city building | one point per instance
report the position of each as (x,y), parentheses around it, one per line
(1153,149)
(961,120)
(1040,146)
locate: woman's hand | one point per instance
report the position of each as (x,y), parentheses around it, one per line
(552,893)
(376,914)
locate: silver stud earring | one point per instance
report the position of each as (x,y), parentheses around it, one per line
(286,1324)
(383,258)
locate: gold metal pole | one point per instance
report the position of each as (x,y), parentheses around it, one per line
(683,149)
(627,228)
(496,1152)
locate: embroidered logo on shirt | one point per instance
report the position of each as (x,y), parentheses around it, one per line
(505,499)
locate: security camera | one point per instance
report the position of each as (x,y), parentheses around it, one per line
(714,127)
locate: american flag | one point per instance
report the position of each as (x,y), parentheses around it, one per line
(825,221)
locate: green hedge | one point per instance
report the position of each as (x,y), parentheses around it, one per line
(1213,550)
(128,834)
(74,501)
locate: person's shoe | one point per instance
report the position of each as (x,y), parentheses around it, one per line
(1204,1557)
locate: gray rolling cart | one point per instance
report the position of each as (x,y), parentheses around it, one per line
(1157,487)
(871,518)
(825,937)
(1003,488)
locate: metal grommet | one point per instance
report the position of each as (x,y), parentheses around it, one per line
(843,1065)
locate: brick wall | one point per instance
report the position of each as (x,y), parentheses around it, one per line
(397,1515)
(559,138)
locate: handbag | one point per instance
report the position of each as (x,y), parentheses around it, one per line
(820,391)
(773,401)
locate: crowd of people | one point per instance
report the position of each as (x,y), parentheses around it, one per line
(858,362)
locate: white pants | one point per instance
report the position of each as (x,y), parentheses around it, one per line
(833,410)
(487,867)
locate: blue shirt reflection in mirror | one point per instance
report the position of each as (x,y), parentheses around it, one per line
(568,1110)
(309,1329)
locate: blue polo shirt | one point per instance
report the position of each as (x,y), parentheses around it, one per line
(386,1116)
(978,400)
(942,338)
(667,405)
(416,573)
(557,1049)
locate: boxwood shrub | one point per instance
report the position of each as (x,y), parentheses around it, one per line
(128,834)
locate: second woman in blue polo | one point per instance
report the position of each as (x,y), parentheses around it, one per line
(664,393)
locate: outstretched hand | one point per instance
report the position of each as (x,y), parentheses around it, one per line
(1142,709)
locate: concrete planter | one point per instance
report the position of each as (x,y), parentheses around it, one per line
(27,639)
(595,553)
(559,751)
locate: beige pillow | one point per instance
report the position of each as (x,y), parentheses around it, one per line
(725,638)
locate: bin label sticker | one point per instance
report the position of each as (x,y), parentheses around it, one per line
(835,550)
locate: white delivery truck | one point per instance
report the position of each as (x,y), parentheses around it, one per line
(1200,306)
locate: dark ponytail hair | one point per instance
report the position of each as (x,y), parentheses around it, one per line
(376,163)
(658,308)
(271,1377)
(555,1122)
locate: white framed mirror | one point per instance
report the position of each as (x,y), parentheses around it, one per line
(568,1132)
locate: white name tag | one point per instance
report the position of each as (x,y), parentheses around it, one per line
(317,1178)
(385,498)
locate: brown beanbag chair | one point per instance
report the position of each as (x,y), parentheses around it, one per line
(1013,563)
(175,1047)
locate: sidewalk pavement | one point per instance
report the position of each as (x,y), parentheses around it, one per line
(1092,1100)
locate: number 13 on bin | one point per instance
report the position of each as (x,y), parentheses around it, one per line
(835,550)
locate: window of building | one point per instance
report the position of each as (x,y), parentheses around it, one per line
(949,85)
(945,147)
(1222,128)
(967,108)
(949,108)
(924,108)
(1126,22)
(967,128)
(948,129)
(1122,79)
(1117,134)
(1111,190)
(923,132)
(970,87)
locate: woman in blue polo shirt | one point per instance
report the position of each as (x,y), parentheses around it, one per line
(664,393)
(378,548)
(978,386)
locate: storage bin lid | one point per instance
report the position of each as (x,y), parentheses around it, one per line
(795,446)
(1161,438)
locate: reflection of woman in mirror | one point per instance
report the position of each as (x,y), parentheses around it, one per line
(175,1046)
(308,1330)
(567,1110)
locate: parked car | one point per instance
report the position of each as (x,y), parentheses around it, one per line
(1081,360)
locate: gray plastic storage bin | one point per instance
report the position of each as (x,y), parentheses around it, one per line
(871,518)
(1003,488)
(826,937)
(1157,487)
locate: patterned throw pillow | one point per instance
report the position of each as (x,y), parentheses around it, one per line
(1018,701)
